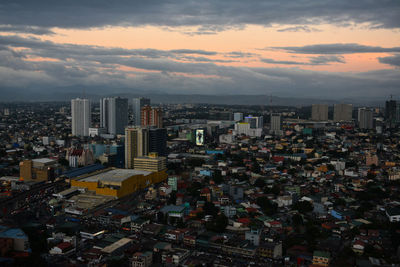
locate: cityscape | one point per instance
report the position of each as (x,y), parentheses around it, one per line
(95,184)
(200,133)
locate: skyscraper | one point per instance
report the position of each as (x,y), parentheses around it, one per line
(319,112)
(365,118)
(114,114)
(137,105)
(151,116)
(343,112)
(276,123)
(81,116)
(390,113)
(136,144)
(158,141)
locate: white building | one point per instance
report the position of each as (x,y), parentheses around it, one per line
(81,116)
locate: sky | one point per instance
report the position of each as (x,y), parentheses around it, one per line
(329,49)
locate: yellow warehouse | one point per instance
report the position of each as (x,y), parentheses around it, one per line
(119,182)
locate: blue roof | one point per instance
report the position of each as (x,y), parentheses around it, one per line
(13,233)
(84,170)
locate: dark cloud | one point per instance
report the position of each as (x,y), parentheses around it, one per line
(338,49)
(26,29)
(319,60)
(213,16)
(191,51)
(299,29)
(391,60)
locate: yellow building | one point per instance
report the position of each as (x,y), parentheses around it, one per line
(152,163)
(37,169)
(119,182)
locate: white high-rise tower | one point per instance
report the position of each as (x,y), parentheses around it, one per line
(81,116)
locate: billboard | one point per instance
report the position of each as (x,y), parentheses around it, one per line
(200,137)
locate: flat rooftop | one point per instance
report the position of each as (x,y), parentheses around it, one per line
(44,160)
(114,175)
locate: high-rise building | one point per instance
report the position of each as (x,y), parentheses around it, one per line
(151,116)
(255,122)
(81,116)
(136,144)
(343,112)
(276,123)
(390,113)
(158,141)
(237,116)
(365,118)
(114,114)
(137,105)
(319,112)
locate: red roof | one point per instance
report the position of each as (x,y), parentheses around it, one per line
(64,245)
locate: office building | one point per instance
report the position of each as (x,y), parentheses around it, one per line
(276,123)
(151,116)
(342,112)
(365,118)
(390,113)
(114,114)
(136,144)
(81,116)
(255,122)
(152,163)
(237,116)
(319,112)
(137,105)
(158,141)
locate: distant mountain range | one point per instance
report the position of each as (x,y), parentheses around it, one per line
(65,94)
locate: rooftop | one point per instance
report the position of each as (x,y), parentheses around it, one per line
(114,175)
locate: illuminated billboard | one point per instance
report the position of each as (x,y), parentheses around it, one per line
(200,137)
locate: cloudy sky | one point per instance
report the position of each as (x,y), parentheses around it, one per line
(322,49)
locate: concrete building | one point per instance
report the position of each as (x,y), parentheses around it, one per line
(237,116)
(79,157)
(151,116)
(245,129)
(319,112)
(342,112)
(255,122)
(276,123)
(37,169)
(137,104)
(150,163)
(365,118)
(81,116)
(136,144)
(118,182)
(114,114)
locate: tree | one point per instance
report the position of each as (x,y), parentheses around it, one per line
(266,205)
(303,206)
(218,224)
(259,183)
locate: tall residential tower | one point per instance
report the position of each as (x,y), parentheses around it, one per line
(81,116)
(114,114)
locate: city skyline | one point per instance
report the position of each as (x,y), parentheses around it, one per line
(295,49)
